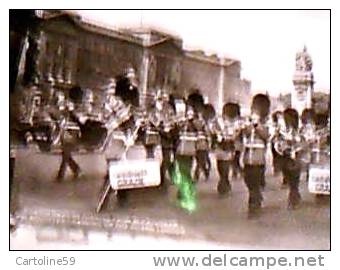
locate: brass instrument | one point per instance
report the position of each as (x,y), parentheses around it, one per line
(289,142)
(116,119)
(229,131)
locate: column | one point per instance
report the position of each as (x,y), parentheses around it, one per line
(144,77)
(221,88)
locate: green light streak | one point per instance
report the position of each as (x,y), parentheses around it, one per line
(186,189)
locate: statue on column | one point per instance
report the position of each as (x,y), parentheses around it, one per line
(303,60)
(303,80)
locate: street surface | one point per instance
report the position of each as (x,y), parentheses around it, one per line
(62,215)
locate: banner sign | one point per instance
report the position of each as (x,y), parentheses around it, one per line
(132,174)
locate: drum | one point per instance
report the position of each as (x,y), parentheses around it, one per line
(93,134)
(187,144)
(152,137)
(43,135)
(71,133)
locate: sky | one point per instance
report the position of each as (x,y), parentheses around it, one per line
(264,41)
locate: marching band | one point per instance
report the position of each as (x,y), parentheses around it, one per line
(189,134)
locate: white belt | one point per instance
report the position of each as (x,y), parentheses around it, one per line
(149,132)
(186,138)
(255,145)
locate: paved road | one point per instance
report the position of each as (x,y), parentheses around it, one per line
(68,208)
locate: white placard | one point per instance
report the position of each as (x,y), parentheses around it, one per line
(319,180)
(132,174)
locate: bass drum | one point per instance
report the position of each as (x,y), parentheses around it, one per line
(93,134)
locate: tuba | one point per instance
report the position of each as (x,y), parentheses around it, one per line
(288,143)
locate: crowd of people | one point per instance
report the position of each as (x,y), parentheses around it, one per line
(187,130)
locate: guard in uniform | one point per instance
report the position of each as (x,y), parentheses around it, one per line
(255,134)
(169,133)
(186,149)
(151,130)
(202,148)
(227,136)
(127,88)
(68,136)
(289,144)
(209,116)
(123,122)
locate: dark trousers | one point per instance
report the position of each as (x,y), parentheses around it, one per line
(254,178)
(166,165)
(150,150)
(104,198)
(236,164)
(223,168)
(277,161)
(185,164)
(291,170)
(203,164)
(67,160)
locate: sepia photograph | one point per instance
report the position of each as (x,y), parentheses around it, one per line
(169,129)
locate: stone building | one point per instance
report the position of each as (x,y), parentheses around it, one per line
(73,51)
(218,79)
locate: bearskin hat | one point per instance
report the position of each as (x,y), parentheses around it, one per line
(261,103)
(208,112)
(76,94)
(308,115)
(196,100)
(231,110)
(321,119)
(291,117)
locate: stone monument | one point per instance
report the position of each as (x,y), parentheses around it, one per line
(303,81)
